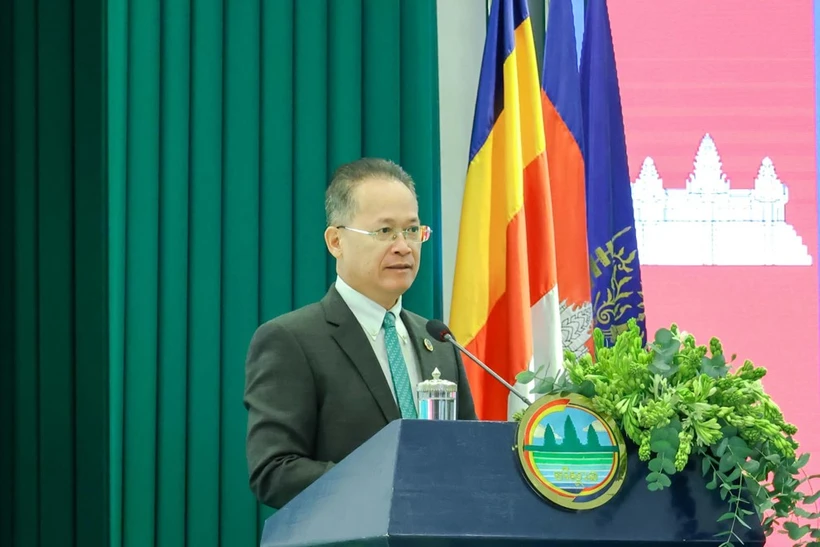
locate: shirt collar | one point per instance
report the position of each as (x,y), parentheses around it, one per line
(369,314)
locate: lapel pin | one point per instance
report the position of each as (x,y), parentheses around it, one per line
(428,344)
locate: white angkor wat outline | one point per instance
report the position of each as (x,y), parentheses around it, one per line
(708,223)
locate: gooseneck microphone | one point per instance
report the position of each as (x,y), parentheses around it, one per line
(441,332)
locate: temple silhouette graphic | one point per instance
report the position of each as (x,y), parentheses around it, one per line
(709,223)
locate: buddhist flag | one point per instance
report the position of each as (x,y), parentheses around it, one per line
(563,125)
(505,293)
(617,293)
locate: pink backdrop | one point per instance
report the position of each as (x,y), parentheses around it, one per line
(744,72)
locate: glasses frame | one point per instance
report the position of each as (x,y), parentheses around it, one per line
(425,232)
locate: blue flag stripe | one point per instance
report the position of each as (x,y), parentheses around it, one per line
(617,291)
(490,99)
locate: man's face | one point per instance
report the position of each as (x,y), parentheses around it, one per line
(381,270)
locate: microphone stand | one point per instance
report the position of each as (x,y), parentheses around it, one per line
(449,338)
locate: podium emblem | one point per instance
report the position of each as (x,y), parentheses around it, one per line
(570,454)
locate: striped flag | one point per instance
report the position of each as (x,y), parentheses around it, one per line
(617,291)
(563,125)
(505,291)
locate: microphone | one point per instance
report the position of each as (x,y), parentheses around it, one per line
(442,333)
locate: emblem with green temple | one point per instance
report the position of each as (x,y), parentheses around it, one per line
(677,400)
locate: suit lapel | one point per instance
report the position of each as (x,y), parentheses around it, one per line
(417,332)
(353,341)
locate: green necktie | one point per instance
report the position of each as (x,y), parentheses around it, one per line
(398,368)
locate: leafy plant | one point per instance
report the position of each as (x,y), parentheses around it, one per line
(678,400)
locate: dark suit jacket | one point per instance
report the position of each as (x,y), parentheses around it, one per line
(315,392)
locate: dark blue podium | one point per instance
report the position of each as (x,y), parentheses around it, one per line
(442,483)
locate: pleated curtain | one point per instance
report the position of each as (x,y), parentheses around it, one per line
(168,194)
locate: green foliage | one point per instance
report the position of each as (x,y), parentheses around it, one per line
(678,400)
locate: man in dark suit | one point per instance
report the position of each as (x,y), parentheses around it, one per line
(323,379)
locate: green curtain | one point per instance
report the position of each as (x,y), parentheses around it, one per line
(225,122)
(7,289)
(53,275)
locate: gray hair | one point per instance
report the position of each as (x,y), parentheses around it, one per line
(340,205)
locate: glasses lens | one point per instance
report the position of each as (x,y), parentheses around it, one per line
(417,234)
(385,234)
(413,234)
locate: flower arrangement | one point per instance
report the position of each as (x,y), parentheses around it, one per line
(677,400)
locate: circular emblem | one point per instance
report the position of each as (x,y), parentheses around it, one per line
(570,454)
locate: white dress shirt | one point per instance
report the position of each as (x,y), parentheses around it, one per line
(371,316)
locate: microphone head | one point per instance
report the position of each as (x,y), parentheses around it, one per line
(438,330)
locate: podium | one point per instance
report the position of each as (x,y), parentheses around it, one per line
(458,483)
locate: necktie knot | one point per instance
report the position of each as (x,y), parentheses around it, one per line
(389,320)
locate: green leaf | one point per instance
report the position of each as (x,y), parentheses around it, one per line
(663,336)
(675,423)
(721,447)
(544,386)
(796,532)
(664,448)
(812,499)
(734,475)
(802,461)
(656,464)
(755,487)
(739,447)
(654,477)
(714,367)
(669,466)
(800,512)
(587,389)
(726,516)
(562,383)
(758,495)
(525,377)
(660,367)
(782,479)
(751,466)
(665,481)
(729,431)
(727,462)
(765,506)
(668,354)
(653,486)
(705,467)
(665,442)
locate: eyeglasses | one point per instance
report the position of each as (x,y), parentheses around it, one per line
(415,234)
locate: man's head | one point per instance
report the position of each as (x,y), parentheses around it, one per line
(368,204)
